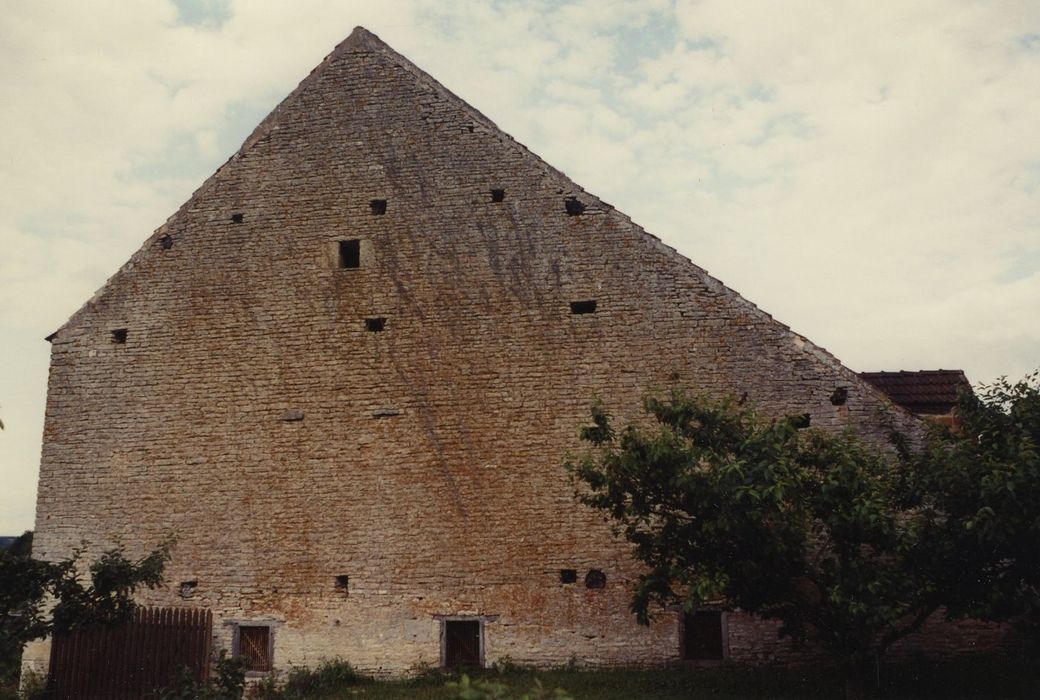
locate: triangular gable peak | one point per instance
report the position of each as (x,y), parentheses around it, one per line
(361,43)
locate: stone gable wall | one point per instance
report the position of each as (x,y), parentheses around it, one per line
(251,415)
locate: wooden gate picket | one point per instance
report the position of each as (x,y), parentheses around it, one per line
(133,660)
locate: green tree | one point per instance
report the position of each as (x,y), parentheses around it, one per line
(28,586)
(983,476)
(23,586)
(818,531)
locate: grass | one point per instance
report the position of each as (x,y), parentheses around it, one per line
(970,677)
(974,677)
(615,684)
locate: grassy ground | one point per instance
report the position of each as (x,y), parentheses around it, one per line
(975,677)
(970,678)
(615,685)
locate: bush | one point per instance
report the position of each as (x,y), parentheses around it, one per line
(33,686)
(229,683)
(483,689)
(302,683)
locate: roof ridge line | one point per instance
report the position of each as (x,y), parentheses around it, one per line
(804,342)
(359,37)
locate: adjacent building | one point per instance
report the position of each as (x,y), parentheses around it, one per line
(930,394)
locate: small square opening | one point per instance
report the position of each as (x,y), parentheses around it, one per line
(595,579)
(343,583)
(237,218)
(568,575)
(350,254)
(498,195)
(187,589)
(801,421)
(574,207)
(166,242)
(375,325)
(119,336)
(378,206)
(587,306)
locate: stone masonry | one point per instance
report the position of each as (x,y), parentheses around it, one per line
(294,407)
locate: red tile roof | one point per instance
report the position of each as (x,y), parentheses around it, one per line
(927,391)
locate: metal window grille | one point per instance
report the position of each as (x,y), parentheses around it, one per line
(254,643)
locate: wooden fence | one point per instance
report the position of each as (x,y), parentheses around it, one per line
(133,660)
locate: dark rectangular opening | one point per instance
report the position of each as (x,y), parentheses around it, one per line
(375,325)
(587,306)
(801,421)
(237,218)
(498,195)
(187,588)
(378,206)
(568,575)
(462,644)
(350,253)
(702,636)
(254,643)
(343,583)
(574,207)
(119,336)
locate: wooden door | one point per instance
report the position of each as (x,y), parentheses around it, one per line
(462,643)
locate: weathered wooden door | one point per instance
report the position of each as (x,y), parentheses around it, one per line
(702,636)
(462,643)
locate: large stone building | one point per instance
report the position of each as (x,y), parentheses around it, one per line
(345,373)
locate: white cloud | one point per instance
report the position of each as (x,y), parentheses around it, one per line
(868,173)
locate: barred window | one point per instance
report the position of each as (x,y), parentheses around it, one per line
(254,643)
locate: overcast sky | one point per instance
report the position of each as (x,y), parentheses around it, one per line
(868,172)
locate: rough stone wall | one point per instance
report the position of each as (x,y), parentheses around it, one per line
(250,413)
